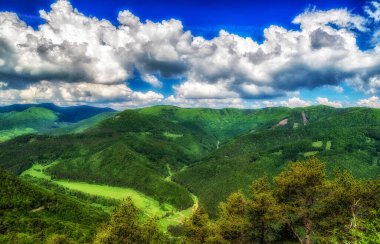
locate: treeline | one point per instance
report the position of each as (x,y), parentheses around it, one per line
(302,205)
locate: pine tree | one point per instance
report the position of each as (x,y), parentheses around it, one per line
(233,221)
(197,228)
(265,214)
(125,227)
(299,189)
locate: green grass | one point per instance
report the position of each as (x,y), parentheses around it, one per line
(172,135)
(147,204)
(167,214)
(6,135)
(317,144)
(328,145)
(311,153)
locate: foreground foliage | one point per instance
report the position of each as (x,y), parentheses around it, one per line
(302,206)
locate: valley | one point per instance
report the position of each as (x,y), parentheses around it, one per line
(167,214)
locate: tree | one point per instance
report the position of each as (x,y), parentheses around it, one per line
(125,226)
(197,228)
(266,216)
(233,221)
(348,206)
(299,189)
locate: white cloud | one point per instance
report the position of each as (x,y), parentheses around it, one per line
(84,58)
(79,93)
(207,103)
(151,79)
(325,101)
(3,84)
(337,89)
(313,19)
(373,102)
(295,102)
(269,104)
(373,10)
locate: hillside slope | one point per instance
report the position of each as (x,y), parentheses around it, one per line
(31,214)
(223,124)
(347,139)
(129,149)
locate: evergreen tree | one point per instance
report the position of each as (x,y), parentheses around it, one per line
(197,228)
(299,189)
(125,227)
(265,214)
(348,206)
(233,221)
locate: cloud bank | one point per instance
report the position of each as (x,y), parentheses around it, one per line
(73,58)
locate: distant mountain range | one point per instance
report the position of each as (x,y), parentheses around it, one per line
(70,114)
(22,119)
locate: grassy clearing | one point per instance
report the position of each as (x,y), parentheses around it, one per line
(295,125)
(328,145)
(308,154)
(150,206)
(317,144)
(178,217)
(166,213)
(172,135)
(170,173)
(6,135)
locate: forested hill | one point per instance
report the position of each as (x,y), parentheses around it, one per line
(347,139)
(31,214)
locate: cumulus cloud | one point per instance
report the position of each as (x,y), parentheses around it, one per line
(151,79)
(85,59)
(322,53)
(79,93)
(295,102)
(325,101)
(207,102)
(373,102)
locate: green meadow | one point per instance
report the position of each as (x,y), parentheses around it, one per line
(6,135)
(166,213)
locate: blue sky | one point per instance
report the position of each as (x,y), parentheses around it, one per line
(206,18)
(271,53)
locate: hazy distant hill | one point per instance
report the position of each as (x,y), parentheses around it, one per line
(22,119)
(65,114)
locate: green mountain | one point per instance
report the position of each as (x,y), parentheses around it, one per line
(16,120)
(348,139)
(223,124)
(31,214)
(81,125)
(129,149)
